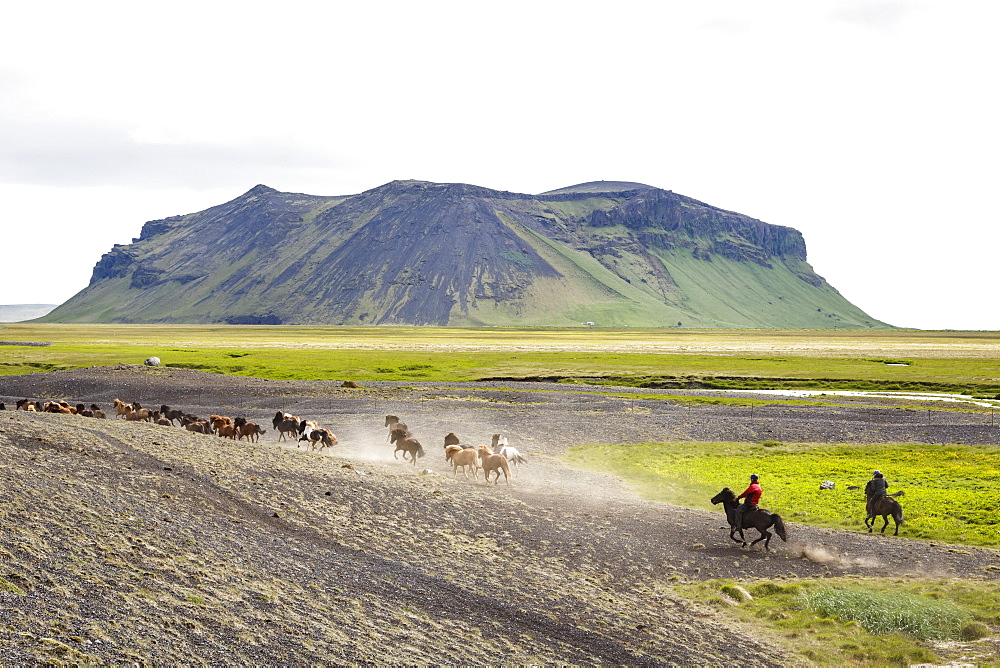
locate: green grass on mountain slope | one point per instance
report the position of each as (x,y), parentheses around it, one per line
(586,291)
(727,293)
(580,208)
(720,293)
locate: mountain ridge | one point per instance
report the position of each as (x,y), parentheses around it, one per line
(454,254)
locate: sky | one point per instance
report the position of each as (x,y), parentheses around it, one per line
(872,127)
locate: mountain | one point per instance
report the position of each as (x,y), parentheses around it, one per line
(417,253)
(21,312)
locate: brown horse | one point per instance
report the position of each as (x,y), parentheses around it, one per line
(758,519)
(493,463)
(250,430)
(286,427)
(393,422)
(405,442)
(885,508)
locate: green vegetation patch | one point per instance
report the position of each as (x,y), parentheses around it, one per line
(949,490)
(864,622)
(886,612)
(665,358)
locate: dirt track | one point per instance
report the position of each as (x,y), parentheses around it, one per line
(151,543)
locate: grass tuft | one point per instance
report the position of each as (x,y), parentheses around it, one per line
(974,631)
(888,612)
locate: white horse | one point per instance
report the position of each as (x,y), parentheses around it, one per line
(317,437)
(502,447)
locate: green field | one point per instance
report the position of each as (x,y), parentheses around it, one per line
(949,489)
(967,362)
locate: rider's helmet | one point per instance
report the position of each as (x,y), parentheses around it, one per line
(877,474)
(754,477)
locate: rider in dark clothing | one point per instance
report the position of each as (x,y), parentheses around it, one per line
(752,495)
(875,490)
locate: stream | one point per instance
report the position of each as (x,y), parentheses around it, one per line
(910,396)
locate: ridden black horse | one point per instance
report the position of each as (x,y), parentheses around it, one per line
(758,519)
(886,507)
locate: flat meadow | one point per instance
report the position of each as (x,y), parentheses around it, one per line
(867,359)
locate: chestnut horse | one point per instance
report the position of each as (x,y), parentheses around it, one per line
(466,458)
(493,463)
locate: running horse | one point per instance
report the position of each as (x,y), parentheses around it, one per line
(885,508)
(758,519)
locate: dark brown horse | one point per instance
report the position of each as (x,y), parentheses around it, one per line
(758,519)
(393,422)
(885,508)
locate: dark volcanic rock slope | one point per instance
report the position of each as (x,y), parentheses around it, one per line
(412,252)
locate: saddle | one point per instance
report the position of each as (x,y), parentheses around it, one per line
(749,512)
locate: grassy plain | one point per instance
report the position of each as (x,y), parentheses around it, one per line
(948,488)
(673,357)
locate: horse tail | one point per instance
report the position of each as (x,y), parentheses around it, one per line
(520,460)
(779,527)
(899,509)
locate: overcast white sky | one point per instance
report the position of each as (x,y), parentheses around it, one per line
(870,126)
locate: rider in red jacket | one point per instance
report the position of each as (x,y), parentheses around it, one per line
(752,495)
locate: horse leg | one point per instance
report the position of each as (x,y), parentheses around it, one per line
(895,521)
(885,523)
(765,535)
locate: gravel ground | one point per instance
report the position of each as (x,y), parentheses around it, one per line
(129,542)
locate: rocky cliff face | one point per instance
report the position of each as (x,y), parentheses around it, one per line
(412,252)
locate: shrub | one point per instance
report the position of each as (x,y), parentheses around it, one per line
(764,589)
(974,631)
(884,613)
(737,593)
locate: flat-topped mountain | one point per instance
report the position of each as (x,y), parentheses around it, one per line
(416,253)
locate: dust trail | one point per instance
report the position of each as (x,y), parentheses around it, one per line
(821,555)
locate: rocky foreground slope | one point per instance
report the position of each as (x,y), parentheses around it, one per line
(129,542)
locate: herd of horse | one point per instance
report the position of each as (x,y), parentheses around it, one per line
(493,460)
(238,428)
